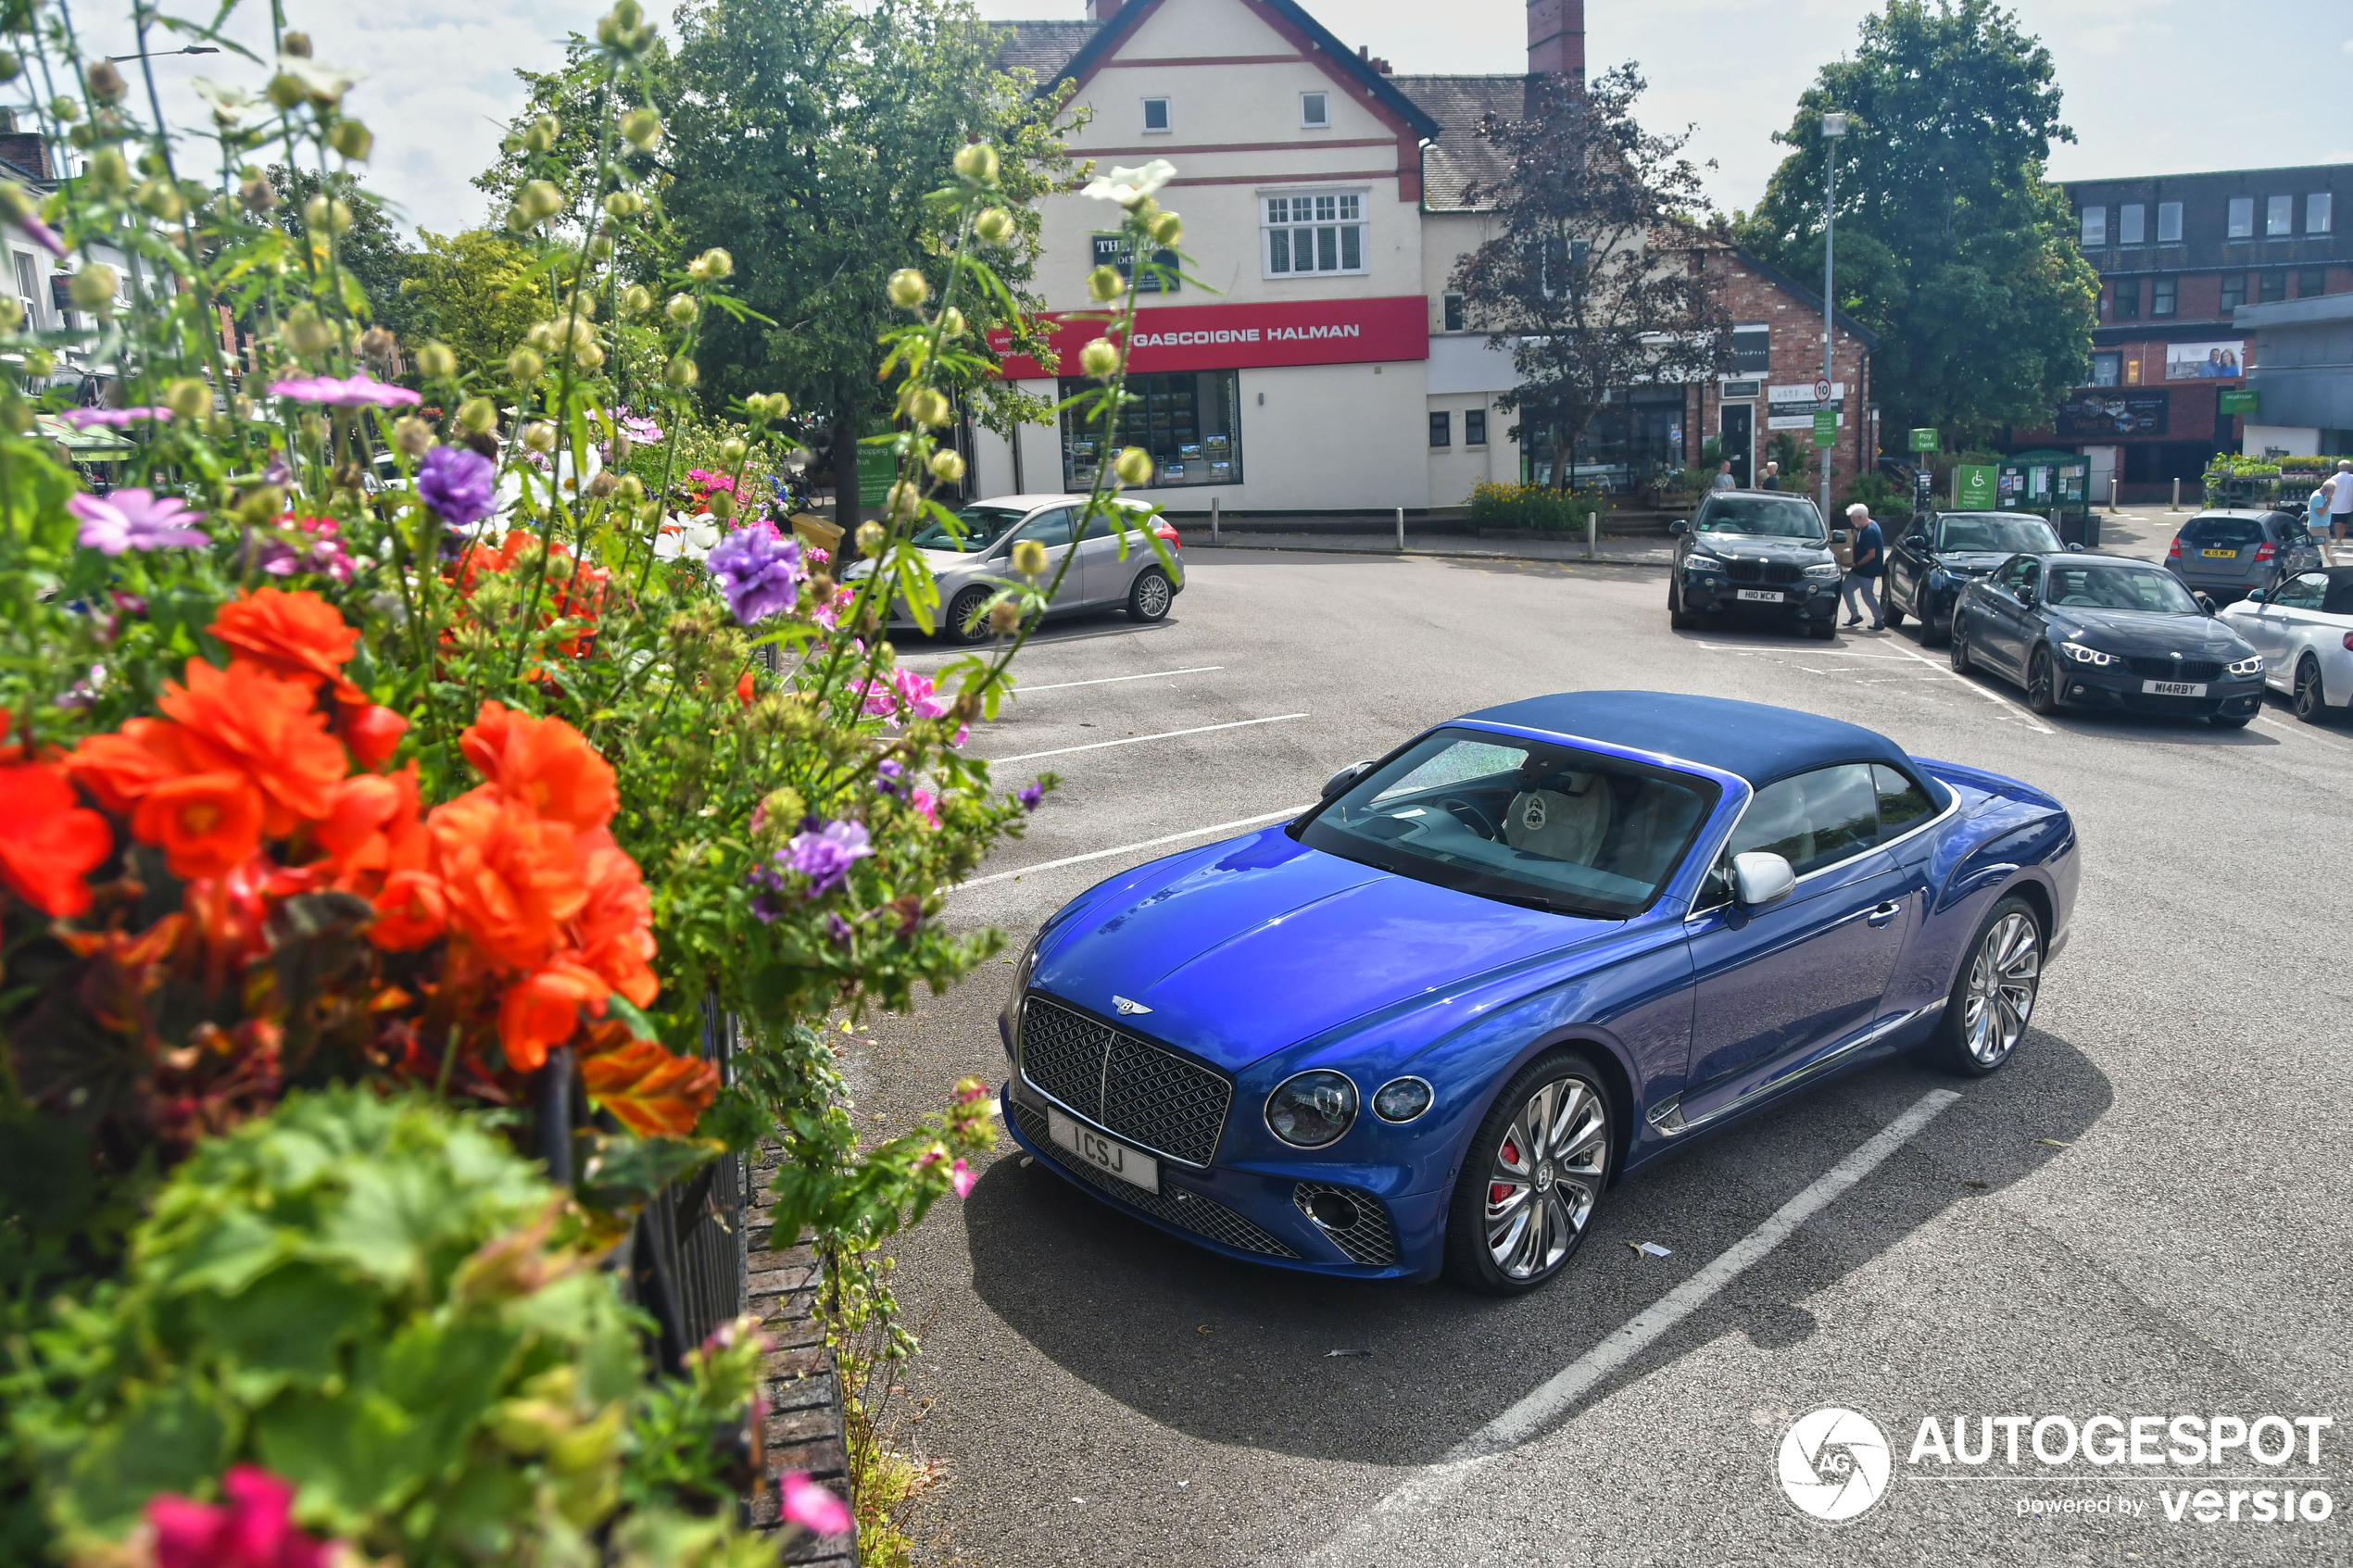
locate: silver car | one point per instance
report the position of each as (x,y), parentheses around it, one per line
(2226,553)
(2303,627)
(972,569)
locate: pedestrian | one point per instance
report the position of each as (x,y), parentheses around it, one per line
(1863,577)
(1772,479)
(2316,512)
(1724,475)
(2341,501)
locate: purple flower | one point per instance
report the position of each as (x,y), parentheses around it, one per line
(1030,797)
(888,776)
(459,483)
(825,856)
(120,419)
(344,392)
(43,235)
(839,930)
(134,520)
(279,472)
(759,569)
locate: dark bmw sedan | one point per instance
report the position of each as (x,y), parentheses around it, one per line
(1753,552)
(1941,553)
(2084,630)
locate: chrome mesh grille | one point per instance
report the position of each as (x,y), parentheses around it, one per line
(1125,1084)
(1370,1240)
(1187,1210)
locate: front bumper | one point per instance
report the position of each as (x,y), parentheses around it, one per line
(1251,1215)
(1809,599)
(2120,691)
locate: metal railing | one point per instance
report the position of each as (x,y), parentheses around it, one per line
(687,1254)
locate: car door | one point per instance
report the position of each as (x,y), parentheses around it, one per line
(2282,627)
(1908,565)
(1051,529)
(2003,631)
(1104,577)
(1773,984)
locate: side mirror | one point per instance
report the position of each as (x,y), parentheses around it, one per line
(1840,536)
(2205,604)
(1345,777)
(1680,526)
(2026,595)
(1760,878)
(2073,547)
(2257,596)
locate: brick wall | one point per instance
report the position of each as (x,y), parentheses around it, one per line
(803,1388)
(1796,351)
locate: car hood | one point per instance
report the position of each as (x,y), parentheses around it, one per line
(2144,632)
(1261,942)
(1760,546)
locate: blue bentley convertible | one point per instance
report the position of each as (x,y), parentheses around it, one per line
(1427,1024)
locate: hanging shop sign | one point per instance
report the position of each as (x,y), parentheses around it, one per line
(2104,413)
(1225,337)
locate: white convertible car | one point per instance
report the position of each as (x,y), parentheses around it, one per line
(2303,627)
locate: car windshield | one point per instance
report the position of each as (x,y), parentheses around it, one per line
(983,526)
(1773,517)
(1997,536)
(2100,586)
(1521,821)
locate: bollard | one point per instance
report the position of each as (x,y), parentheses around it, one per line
(1213,520)
(1592,532)
(2114,485)
(2177,495)
(1401,528)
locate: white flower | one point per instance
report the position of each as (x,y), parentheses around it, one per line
(1129,186)
(327,83)
(229,105)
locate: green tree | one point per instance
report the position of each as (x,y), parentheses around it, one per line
(478,291)
(1952,244)
(371,250)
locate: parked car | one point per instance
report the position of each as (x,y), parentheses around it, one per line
(2227,554)
(2078,630)
(1933,559)
(2303,627)
(1758,552)
(1548,942)
(974,564)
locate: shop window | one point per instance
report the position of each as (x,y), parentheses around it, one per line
(2234,291)
(1453,309)
(1474,427)
(1155,114)
(2094,227)
(2311,280)
(1752,350)
(2132,223)
(2279,217)
(2169,223)
(2240,219)
(1441,428)
(1320,232)
(1162,277)
(28,287)
(1188,420)
(2107,369)
(2316,212)
(2165,296)
(2128,299)
(1314,111)
(2271,287)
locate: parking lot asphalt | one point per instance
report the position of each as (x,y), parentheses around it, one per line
(2147,1213)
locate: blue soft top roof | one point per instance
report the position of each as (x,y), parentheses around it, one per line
(1747,739)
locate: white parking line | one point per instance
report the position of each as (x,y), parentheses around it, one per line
(1995,697)
(1408,1504)
(1108,679)
(2299,728)
(1130,848)
(1139,740)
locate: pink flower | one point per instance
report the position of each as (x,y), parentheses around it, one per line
(964,733)
(134,520)
(917,692)
(928,804)
(253,1529)
(119,419)
(807,1505)
(962,1178)
(344,392)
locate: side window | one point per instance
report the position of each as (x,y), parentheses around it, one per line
(1048,529)
(2305,592)
(1814,819)
(2020,573)
(1903,805)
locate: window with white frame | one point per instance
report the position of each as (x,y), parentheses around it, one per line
(1313,232)
(1314,111)
(2169,223)
(1155,114)
(28,285)
(2241,218)
(2132,223)
(2094,227)
(2316,212)
(2279,217)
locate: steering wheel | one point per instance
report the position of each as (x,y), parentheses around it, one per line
(1469,816)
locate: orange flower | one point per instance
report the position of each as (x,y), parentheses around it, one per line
(511,876)
(49,841)
(207,824)
(245,720)
(615,926)
(746,690)
(543,1010)
(373,732)
(296,636)
(371,816)
(412,910)
(120,769)
(543,763)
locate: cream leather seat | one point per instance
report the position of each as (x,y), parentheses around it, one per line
(1560,826)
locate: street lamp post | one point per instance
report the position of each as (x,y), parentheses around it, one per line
(1834,127)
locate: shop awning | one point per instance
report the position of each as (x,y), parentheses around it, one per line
(97,444)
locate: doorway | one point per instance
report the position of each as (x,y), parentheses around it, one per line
(1738,427)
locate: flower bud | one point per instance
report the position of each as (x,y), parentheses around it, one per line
(977,162)
(523,367)
(539,200)
(604,484)
(352,139)
(243,407)
(188,397)
(1029,557)
(906,498)
(544,336)
(108,170)
(413,436)
(722,504)
(947,466)
(92,288)
(11,313)
(256,192)
(437,363)
(951,321)
(928,406)
(262,504)
(600,248)
(477,416)
(1004,616)
(680,309)
(377,342)
(306,333)
(871,534)
(540,135)
(1104,284)
(287,91)
(588,357)
(1134,466)
(994,226)
(540,436)
(105,83)
(642,127)
(325,213)
(681,372)
(908,289)
(1167,228)
(711,266)
(10,64)
(733,451)
(623,204)
(630,490)
(295,44)
(162,198)
(1100,359)
(637,299)
(67,109)
(39,362)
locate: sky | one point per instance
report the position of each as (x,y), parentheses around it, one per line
(2151,86)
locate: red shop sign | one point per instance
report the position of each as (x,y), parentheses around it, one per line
(1225,337)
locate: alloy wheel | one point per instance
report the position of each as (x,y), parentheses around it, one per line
(1546,1177)
(2311,705)
(2002,979)
(1152,595)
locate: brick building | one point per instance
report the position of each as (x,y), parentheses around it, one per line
(1777,338)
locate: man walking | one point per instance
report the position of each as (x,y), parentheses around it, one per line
(1772,479)
(1863,577)
(2341,501)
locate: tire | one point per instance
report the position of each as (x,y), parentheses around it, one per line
(1550,1200)
(2231,721)
(1891,615)
(1958,637)
(2042,683)
(1985,1016)
(963,607)
(1822,631)
(1678,618)
(2312,698)
(1932,633)
(1149,597)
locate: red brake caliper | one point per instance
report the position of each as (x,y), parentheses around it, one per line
(1498,1191)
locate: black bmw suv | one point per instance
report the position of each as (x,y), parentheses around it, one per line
(1757,552)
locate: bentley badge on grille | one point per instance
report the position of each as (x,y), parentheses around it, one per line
(1126,1007)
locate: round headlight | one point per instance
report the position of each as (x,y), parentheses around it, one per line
(1311,1110)
(1401,1100)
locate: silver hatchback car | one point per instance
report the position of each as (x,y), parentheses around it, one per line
(972,569)
(2226,553)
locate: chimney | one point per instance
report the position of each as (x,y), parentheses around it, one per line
(1103,10)
(1556,38)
